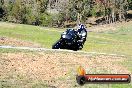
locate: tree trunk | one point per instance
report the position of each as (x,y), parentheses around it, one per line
(120,18)
(113,16)
(79,18)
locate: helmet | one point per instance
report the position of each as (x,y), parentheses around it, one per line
(81,26)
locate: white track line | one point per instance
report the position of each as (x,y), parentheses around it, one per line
(59,50)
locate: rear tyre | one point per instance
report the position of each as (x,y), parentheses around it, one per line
(80,45)
(75,47)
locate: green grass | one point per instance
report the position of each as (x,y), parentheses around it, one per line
(117,42)
(108,46)
(30,33)
(12,50)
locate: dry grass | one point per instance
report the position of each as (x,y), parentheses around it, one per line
(54,69)
(16,42)
(11,25)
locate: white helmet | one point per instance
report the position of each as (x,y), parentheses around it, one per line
(80,27)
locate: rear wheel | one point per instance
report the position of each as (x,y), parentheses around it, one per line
(75,47)
(80,45)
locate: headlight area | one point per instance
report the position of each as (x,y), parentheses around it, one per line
(63,36)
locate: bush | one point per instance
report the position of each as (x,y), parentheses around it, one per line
(59,19)
(45,19)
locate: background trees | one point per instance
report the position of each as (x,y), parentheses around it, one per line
(58,12)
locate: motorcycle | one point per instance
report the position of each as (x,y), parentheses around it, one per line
(69,40)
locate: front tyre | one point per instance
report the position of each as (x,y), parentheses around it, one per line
(57,45)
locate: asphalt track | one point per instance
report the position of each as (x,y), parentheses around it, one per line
(56,50)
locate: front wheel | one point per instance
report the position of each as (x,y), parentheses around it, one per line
(57,45)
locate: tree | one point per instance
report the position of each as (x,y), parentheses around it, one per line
(81,8)
(36,11)
(2,12)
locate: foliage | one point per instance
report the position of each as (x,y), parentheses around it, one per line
(36,11)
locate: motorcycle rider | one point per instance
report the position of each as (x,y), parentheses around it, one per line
(82,33)
(73,39)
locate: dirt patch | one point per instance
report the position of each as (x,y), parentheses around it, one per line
(16,42)
(109,27)
(58,69)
